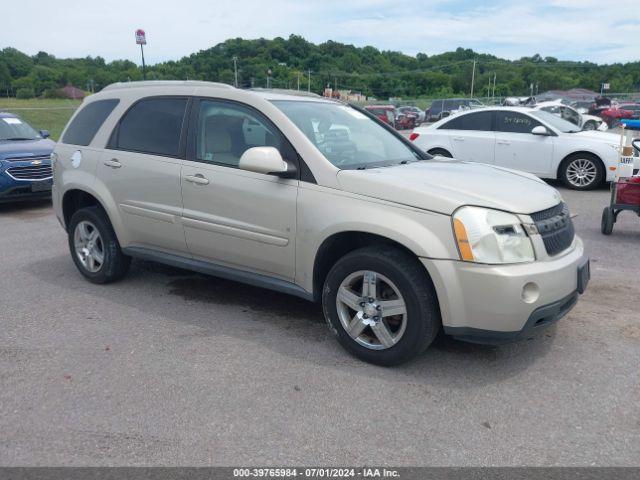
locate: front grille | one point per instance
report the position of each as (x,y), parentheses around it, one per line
(31,172)
(556,228)
(28,158)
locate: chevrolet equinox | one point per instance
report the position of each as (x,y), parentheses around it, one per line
(315,198)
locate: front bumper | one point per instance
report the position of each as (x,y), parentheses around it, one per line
(490,304)
(24,191)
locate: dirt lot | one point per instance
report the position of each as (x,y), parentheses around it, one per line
(169,367)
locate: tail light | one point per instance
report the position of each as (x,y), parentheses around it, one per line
(413,136)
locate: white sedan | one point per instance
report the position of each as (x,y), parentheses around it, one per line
(525,139)
(571,115)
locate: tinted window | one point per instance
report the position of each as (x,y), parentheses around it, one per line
(152,126)
(471,121)
(226,131)
(515,122)
(88,121)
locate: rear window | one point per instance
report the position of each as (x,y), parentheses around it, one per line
(153,126)
(470,121)
(88,121)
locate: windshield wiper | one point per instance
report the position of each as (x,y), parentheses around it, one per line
(19,138)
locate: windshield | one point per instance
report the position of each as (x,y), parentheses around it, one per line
(346,137)
(555,121)
(12,128)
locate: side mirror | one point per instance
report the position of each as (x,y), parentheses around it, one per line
(265,160)
(540,130)
(45,133)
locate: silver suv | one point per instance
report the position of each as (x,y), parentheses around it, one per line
(318,199)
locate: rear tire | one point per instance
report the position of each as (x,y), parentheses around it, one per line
(94,247)
(608,219)
(441,152)
(400,284)
(582,171)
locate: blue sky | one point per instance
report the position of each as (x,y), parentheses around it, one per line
(567,29)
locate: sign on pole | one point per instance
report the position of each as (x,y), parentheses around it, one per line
(141,37)
(606,86)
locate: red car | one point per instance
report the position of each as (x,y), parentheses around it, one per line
(613,115)
(389,114)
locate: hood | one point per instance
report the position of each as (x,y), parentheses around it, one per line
(40,147)
(605,137)
(444,185)
(586,117)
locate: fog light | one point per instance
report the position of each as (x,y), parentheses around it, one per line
(530,292)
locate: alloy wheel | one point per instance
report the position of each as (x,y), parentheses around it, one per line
(371,310)
(581,172)
(89,246)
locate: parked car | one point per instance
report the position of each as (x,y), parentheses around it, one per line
(525,139)
(390,115)
(314,198)
(614,114)
(519,101)
(415,111)
(444,107)
(570,114)
(634,108)
(25,166)
(386,113)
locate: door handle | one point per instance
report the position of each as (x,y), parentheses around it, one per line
(198,179)
(459,139)
(503,142)
(113,163)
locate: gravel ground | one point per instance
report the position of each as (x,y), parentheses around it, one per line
(173,368)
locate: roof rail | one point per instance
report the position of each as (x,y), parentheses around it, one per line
(165,83)
(286,91)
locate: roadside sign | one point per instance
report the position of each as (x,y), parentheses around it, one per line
(606,86)
(141,38)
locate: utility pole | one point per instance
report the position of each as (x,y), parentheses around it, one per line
(309,82)
(473,77)
(494,88)
(144,68)
(235,70)
(298,81)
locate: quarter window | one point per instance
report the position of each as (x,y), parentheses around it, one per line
(88,121)
(226,131)
(514,122)
(472,121)
(153,125)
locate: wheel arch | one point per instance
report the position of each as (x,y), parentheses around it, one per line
(78,197)
(577,153)
(339,244)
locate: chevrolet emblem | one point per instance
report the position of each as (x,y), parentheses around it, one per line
(36,162)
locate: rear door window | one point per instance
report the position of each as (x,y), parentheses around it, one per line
(152,125)
(480,121)
(515,122)
(88,121)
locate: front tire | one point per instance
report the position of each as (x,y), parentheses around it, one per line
(582,171)
(589,126)
(381,305)
(94,247)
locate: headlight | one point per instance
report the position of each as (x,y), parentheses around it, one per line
(484,235)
